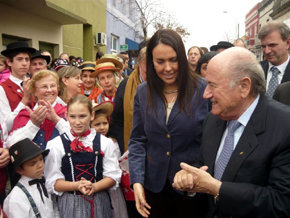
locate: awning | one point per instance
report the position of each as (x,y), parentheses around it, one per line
(132,45)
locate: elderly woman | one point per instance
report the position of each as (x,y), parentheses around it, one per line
(42,123)
(70,82)
(105,72)
(89,88)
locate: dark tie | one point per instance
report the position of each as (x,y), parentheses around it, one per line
(273,83)
(39,182)
(227,150)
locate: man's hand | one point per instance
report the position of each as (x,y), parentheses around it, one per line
(141,204)
(27,95)
(196,180)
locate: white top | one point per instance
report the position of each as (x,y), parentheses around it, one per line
(30,131)
(53,161)
(281,68)
(17,204)
(6,115)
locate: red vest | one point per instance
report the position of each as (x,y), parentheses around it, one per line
(3,176)
(13,92)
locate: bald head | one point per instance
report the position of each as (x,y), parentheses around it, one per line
(239,62)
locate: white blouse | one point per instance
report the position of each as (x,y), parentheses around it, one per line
(17,204)
(53,161)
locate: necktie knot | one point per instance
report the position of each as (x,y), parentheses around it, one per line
(275,71)
(233,125)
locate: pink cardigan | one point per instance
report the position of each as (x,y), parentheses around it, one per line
(4,75)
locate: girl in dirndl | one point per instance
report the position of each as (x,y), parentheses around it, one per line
(82,166)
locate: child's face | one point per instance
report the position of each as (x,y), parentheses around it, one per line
(101,124)
(2,66)
(19,65)
(32,168)
(79,118)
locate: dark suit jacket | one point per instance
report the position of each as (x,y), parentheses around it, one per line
(282,93)
(256,181)
(286,77)
(156,149)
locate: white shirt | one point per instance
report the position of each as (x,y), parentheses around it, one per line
(53,161)
(17,205)
(6,115)
(243,120)
(281,68)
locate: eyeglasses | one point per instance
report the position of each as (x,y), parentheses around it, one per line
(46,87)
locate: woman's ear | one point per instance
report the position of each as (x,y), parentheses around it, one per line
(65,81)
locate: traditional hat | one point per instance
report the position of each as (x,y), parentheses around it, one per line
(221,44)
(110,58)
(60,63)
(25,150)
(88,65)
(106,107)
(17,46)
(105,66)
(37,54)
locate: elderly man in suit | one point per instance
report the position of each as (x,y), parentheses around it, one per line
(275,41)
(244,166)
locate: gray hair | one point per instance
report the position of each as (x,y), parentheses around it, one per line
(268,28)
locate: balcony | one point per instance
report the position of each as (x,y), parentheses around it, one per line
(280,8)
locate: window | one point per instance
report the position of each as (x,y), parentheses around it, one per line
(114,43)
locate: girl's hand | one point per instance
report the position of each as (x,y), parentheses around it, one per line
(84,186)
(141,204)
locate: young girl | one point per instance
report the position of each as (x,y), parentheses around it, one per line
(4,70)
(82,165)
(101,121)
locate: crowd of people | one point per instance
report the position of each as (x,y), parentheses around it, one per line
(180,134)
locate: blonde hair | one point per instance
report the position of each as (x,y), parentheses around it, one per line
(42,74)
(66,72)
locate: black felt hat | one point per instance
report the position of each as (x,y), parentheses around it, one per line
(25,150)
(221,44)
(17,46)
(37,54)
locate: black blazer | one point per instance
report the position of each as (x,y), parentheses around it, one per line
(256,181)
(286,77)
(282,93)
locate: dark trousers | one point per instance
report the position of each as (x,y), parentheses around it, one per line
(170,204)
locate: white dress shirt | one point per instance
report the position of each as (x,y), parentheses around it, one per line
(6,115)
(17,205)
(243,120)
(53,161)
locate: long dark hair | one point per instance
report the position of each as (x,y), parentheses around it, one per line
(187,83)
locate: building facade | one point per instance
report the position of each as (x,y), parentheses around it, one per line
(122,24)
(57,26)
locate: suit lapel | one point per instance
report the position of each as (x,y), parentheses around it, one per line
(286,76)
(248,141)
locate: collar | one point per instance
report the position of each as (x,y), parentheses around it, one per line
(281,67)
(245,117)
(87,141)
(24,180)
(16,80)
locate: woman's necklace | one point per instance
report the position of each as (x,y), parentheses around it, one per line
(171,91)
